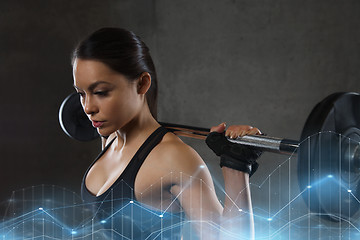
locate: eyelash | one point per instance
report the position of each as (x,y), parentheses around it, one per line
(99,93)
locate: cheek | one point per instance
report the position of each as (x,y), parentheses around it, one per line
(121,106)
(113,107)
(118,108)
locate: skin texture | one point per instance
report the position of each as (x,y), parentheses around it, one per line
(173,177)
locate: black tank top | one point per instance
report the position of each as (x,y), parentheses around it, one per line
(118,215)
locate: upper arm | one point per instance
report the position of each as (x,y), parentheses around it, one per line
(194,186)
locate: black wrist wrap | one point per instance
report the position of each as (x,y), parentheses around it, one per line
(232,155)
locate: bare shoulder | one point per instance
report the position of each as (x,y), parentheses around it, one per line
(177,155)
(191,178)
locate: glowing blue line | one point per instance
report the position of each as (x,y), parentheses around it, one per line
(60,223)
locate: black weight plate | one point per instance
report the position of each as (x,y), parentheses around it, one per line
(321,160)
(74,121)
(312,126)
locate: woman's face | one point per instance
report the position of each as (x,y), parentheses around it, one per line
(108,98)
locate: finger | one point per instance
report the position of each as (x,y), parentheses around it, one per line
(239,133)
(235,131)
(242,133)
(254,131)
(238,128)
(219,128)
(228,133)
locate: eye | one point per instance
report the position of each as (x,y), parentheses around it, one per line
(101,93)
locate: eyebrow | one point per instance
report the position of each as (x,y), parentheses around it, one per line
(93,85)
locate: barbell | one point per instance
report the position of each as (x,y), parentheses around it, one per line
(328,152)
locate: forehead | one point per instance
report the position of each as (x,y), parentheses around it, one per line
(87,72)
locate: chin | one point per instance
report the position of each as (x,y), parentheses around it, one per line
(104,133)
(107,130)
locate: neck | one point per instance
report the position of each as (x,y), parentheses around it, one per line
(139,128)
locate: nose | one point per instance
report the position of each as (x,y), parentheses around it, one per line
(89,105)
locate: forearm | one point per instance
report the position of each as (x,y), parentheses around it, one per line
(237,218)
(237,162)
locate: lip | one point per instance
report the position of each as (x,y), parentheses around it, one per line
(97,124)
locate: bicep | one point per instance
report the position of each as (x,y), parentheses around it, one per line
(195,190)
(198,199)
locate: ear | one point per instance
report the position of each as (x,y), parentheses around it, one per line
(144,83)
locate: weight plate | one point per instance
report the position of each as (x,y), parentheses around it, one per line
(74,121)
(327,166)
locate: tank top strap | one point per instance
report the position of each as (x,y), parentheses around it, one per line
(151,142)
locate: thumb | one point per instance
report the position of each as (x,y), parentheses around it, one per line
(219,128)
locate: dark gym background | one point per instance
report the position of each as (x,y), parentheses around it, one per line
(265,63)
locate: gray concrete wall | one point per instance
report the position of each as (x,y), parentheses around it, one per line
(263,63)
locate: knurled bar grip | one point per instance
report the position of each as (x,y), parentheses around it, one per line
(265,143)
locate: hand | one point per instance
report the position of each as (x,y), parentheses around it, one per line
(232,155)
(235,131)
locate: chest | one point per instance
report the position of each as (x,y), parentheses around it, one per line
(149,179)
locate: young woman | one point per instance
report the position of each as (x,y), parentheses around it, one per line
(146,179)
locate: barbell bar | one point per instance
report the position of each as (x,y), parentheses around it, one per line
(262,142)
(328,150)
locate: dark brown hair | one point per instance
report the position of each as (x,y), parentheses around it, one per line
(123,52)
